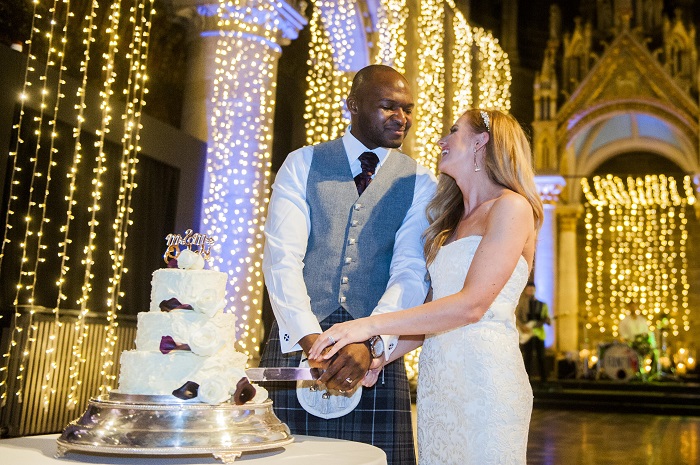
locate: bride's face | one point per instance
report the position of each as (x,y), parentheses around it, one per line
(457,149)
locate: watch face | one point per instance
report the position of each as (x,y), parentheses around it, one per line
(377,347)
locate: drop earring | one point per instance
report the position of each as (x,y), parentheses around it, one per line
(476,165)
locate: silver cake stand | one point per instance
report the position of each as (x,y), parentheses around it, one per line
(163,425)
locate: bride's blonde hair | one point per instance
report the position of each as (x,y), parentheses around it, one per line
(507,162)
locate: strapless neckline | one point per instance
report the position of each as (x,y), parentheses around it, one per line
(521,259)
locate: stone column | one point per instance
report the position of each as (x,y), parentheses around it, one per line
(204,35)
(567,279)
(545,268)
(230,101)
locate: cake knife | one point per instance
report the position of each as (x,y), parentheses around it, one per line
(283,373)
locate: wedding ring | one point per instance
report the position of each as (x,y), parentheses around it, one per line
(348,380)
(331,340)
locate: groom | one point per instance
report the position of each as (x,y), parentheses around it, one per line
(343,241)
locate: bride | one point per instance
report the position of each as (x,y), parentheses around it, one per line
(474,397)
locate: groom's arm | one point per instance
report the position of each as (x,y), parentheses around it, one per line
(286,236)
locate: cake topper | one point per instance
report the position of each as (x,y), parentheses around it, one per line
(201,242)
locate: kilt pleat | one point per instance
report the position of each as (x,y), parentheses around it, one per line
(382,418)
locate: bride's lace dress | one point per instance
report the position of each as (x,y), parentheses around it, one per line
(474,397)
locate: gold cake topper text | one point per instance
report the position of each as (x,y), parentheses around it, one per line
(201,242)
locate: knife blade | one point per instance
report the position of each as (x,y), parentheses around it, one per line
(282,374)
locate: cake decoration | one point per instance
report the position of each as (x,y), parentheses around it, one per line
(202,244)
(168,344)
(187,391)
(244,392)
(173,304)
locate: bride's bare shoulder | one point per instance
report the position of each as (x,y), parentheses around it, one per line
(510,203)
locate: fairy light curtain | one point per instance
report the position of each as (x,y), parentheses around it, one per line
(52,186)
(636,243)
(329,79)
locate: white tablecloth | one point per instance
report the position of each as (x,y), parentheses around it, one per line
(305,450)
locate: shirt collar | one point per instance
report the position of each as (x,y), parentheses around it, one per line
(354,148)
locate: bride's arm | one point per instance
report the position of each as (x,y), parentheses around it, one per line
(404,345)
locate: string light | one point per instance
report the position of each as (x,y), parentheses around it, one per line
(51,152)
(48,387)
(325,113)
(16,329)
(108,76)
(238,164)
(494,76)
(134,93)
(462,97)
(392,17)
(430,97)
(636,239)
(32,244)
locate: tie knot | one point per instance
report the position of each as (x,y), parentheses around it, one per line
(369,161)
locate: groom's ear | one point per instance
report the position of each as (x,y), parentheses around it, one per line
(352,104)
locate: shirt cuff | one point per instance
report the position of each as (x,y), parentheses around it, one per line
(389,345)
(303,326)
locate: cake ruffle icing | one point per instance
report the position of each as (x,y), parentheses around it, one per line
(203,290)
(153,373)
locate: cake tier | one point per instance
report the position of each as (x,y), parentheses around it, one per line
(203,334)
(153,373)
(204,290)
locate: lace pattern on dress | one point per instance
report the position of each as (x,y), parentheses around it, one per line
(474,397)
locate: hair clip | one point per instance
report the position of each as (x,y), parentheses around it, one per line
(487,122)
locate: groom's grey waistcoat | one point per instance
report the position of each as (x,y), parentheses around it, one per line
(351,241)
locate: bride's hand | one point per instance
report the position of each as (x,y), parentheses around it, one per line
(338,336)
(372,375)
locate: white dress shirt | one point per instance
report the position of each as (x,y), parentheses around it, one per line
(287,232)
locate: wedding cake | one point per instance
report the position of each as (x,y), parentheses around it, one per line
(184,389)
(185,342)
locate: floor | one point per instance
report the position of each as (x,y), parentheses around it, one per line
(588,438)
(559,437)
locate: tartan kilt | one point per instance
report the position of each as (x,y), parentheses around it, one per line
(382,418)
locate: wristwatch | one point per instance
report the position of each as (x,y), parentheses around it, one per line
(376,346)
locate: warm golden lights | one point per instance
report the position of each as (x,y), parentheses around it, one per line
(635,248)
(59,32)
(438,96)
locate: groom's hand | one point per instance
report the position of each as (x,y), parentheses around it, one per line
(347,367)
(306,342)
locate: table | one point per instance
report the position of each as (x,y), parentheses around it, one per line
(305,450)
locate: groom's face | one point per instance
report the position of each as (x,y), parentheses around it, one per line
(382,111)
